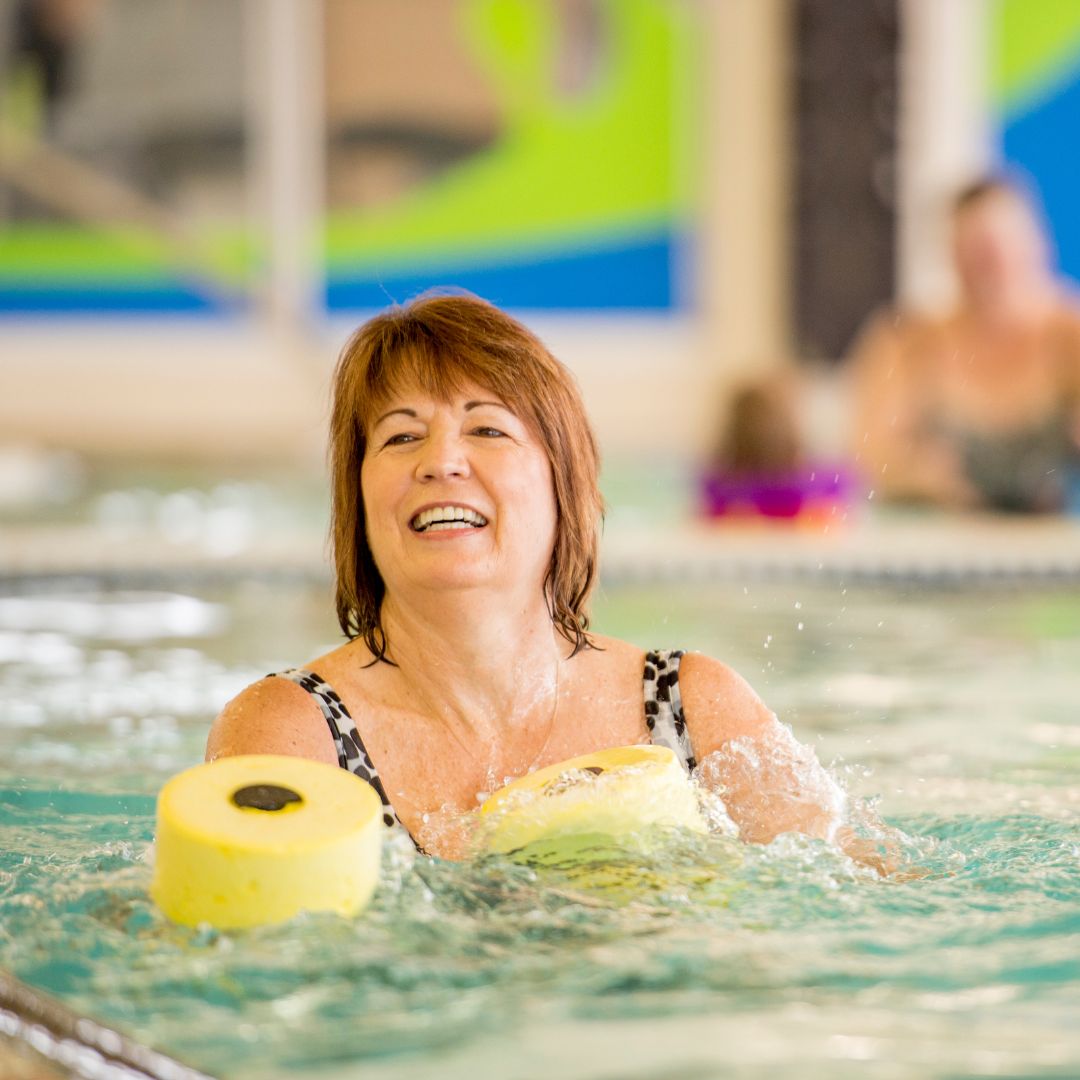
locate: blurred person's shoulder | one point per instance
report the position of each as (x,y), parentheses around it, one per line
(1065,342)
(1065,317)
(898,331)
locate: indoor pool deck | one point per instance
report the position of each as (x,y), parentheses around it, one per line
(886,548)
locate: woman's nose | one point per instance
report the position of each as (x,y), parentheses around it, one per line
(443,456)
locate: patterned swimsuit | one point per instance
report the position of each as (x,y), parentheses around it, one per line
(663,715)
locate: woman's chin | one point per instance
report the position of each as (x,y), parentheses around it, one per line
(454,578)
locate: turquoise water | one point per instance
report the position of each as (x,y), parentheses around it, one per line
(954,713)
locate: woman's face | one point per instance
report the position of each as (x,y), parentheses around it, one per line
(457,495)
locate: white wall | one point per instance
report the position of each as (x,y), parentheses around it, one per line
(174,390)
(944,136)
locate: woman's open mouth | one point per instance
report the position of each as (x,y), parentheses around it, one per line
(437,518)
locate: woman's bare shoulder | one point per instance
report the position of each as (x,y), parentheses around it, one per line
(272,716)
(719,703)
(339,667)
(611,664)
(610,650)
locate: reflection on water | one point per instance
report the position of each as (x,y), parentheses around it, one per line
(117,616)
(687,957)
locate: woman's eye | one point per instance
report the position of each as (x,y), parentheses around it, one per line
(400,438)
(488,432)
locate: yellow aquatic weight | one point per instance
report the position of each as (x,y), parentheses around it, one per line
(613,793)
(245,841)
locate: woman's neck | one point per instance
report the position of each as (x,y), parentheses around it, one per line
(490,668)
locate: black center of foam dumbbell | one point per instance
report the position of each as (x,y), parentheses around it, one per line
(265,797)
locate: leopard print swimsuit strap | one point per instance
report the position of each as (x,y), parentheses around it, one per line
(663,705)
(351,752)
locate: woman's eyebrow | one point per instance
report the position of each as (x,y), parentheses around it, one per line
(403,411)
(394,412)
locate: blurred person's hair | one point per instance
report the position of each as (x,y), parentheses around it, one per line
(762,432)
(994,183)
(977,190)
(438,343)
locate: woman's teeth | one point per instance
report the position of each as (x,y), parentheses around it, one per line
(447,517)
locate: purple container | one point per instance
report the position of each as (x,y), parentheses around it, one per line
(780,495)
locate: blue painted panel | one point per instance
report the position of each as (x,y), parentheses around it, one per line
(637,275)
(117,300)
(634,275)
(1044,143)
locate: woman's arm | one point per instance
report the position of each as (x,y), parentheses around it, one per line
(272,716)
(769,782)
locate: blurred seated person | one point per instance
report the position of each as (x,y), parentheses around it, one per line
(761,467)
(762,436)
(978,408)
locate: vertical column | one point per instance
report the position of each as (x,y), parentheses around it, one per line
(743,275)
(287,138)
(944,135)
(843,238)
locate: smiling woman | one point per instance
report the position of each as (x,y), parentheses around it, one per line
(465,530)
(459,350)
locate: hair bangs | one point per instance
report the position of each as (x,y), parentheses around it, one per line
(409,362)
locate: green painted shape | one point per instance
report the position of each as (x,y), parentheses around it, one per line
(565,171)
(1033,42)
(47,254)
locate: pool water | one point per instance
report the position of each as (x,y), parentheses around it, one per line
(953,713)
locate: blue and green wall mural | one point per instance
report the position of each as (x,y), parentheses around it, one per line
(1035,83)
(581,202)
(78,233)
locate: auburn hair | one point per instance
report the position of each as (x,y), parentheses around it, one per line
(437,344)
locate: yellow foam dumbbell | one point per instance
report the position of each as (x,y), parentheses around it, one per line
(250,840)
